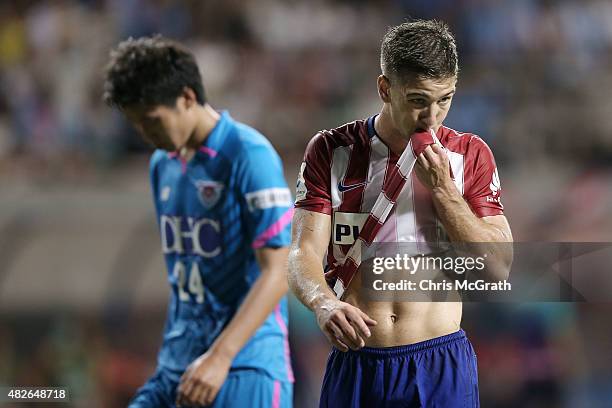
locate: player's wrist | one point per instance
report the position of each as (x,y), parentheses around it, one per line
(446,189)
(223,351)
(321,301)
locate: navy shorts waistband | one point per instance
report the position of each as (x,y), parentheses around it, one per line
(410,348)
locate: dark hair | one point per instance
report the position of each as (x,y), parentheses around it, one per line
(424,48)
(150,71)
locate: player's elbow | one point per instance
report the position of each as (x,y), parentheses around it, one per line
(506,256)
(499,265)
(501,272)
(507,262)
(276,277)
(293,261)
(298,260)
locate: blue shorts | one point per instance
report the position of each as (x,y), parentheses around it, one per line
(440,373)
(242,388)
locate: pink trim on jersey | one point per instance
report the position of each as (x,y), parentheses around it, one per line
(283,328)
(276,394)
(175,155)
(208,151)
(273,229)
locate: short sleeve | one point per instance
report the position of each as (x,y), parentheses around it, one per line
(483,187)
(313,184)
(267,200)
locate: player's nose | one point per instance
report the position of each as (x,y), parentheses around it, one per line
(428,117)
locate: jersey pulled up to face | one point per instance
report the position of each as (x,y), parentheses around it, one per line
(344,170)
(214,211)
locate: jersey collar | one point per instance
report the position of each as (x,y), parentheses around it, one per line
(214,142)
(371,129)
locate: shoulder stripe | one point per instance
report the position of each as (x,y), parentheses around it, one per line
(273,229)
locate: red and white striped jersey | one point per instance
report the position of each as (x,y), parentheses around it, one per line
(344,170)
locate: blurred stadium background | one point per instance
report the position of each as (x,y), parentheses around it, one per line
(82,284)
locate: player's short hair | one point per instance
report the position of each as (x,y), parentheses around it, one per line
(150,71)
(422,48)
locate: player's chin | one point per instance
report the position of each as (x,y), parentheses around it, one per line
(160,142)
(167,146)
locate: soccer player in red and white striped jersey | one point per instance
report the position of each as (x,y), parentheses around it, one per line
(453,194)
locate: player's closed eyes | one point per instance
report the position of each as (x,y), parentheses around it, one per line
(418,102)
(152,125)
(151,120)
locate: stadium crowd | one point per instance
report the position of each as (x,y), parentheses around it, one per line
(531,79)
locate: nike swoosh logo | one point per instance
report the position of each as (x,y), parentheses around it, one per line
(344,188)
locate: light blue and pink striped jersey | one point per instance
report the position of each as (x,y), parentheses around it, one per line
(214,211)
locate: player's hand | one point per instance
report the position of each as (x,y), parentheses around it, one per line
(433,167)
(203,379)
(344,325)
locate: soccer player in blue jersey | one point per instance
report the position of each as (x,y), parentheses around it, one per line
(224,214)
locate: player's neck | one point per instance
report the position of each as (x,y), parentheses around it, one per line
(388,134)
(207,119)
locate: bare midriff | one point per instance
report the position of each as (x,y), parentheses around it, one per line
(401,322)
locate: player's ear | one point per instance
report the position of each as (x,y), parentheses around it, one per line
(384,86)
(189,96)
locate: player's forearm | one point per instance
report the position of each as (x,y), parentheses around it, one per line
(307,279)
(260,301)
(462,225)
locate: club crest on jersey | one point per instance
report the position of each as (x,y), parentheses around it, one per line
(495,186)
(300,188)
(209,192)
